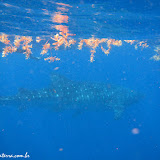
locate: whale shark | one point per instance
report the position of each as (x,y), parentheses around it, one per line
(65,94)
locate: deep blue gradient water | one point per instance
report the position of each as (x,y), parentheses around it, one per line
(48,135)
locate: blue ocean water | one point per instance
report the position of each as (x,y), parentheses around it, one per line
(48,135)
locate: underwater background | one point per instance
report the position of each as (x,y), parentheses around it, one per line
(128,56)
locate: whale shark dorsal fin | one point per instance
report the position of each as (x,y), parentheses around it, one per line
(22,91)
(59,79)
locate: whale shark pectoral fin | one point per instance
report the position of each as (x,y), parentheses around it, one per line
(22,108)
(118,113)
(78,112)
(56,109)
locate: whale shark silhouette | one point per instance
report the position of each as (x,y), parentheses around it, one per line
(65,94)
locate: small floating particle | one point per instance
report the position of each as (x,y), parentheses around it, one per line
(135,131)
(56,68)
(60,149)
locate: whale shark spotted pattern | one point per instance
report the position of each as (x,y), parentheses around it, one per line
(65,94)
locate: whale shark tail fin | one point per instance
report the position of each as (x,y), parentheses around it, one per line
(1,99)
